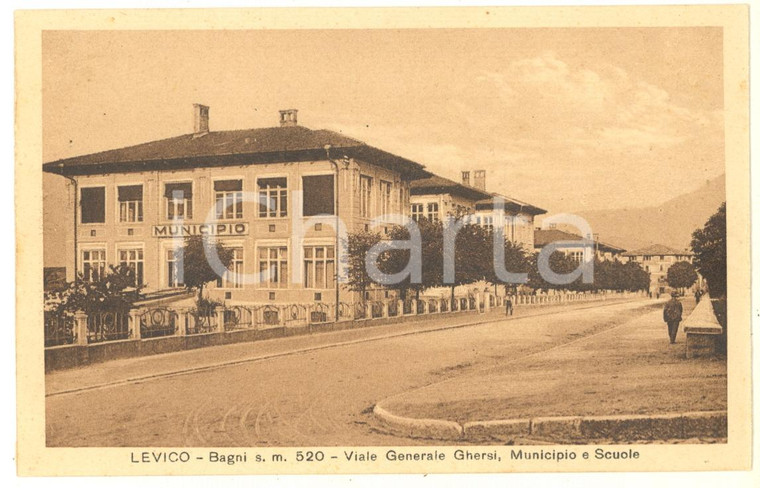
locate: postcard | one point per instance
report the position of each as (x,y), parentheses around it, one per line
(402,240)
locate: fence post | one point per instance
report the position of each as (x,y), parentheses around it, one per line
(181,323)
(134,324)
(80,319)
(384,309)
(400,306)
(413,310)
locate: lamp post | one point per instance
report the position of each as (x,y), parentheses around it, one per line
(337,233)
(76,204)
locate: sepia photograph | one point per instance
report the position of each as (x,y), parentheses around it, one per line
(390,247)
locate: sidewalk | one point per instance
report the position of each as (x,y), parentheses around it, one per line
(630,372)
(141,368)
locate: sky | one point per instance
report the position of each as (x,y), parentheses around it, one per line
(566,119)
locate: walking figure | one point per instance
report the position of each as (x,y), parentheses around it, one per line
(508,305)
(672,316)
(698,296)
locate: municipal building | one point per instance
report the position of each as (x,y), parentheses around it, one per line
(133,203)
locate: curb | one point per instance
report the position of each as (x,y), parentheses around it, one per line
(616,427)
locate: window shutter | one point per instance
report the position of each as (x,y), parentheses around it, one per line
(130,193)
(185,188)
(318,195)
(228,185)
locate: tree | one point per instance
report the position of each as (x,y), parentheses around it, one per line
(709,247)
(358,244)
(113,291)
(681,275)
(637,278)
(515,261)
(394,261)
(196,267)
(559,263)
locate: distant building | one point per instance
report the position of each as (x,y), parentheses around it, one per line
(132,202)
(436,197)
(657,259)
(603,251)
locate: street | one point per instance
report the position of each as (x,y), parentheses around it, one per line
(316,398)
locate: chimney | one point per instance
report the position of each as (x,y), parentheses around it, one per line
(289,117)
(479,179)
(200,119)
(466,178)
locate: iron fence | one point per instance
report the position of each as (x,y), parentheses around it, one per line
(60,329)
(107,326)
(158,322)
(237,317)
(393,308)
(200,321)
(267,316)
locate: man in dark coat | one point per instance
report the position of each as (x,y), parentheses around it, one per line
(672,316)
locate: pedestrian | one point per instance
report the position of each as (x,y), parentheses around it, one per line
(671,314)
(698,296)
(508,305)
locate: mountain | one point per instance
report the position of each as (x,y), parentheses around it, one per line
(670,224)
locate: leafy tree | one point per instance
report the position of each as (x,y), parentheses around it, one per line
(709,247)
(515,261)
(358,244)
(196,267)
(431,235)
(637,278)
(113,291)
(559,263)
(681,275)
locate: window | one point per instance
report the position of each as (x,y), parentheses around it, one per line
(432,212)
(273,197)
(487,221)
(232,277)
(175,280)
(646,258)
(385,197)
(179,200)
(319,267)
(365,186)
(273,266)
(133,259)
(229,199)
(576,256)
(93,264)
(418,211)
(318,195)
(93,202)
(131,203)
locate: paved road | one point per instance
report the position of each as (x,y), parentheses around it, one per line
(319,398)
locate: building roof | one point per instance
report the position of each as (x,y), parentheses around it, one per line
(438,184)
(234,147)
(483,199)
(509,204)
(658,250)
(542,237)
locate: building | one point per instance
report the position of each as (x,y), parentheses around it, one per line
(436,197)
(603,251)
(657,259)
(272,195)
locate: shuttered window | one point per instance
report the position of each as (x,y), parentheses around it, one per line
(318,195)
(131,203)
(93,203)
